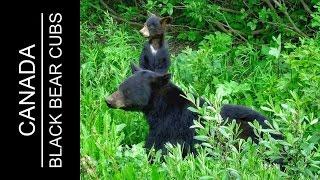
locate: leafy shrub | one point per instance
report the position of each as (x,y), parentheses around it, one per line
(246,20)
(205,64)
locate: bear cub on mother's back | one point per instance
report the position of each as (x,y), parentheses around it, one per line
(167,111)
(155,53)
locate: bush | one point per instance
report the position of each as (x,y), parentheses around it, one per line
(254,20)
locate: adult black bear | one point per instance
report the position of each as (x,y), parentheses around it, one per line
(167,111)
(155,54)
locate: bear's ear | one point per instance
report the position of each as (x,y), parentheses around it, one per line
(135,68)
(162,79)
(165,21)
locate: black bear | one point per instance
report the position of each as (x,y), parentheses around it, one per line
(155,54)
(167,111)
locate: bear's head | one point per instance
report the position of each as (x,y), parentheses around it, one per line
(135,92)
(155,26)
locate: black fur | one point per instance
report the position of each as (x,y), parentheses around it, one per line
(243,115)
(160,61)
(169,119)
(167,111)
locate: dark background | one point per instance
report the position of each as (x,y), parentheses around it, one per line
(21,26)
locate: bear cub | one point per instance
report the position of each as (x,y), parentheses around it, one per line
(167,111)
(155,54)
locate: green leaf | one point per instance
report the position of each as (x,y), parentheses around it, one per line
(252,25)
(206,177)
(234,173)
(284,143)
(120,127)
(223,132)
(197,125)
(314,121)
(170,9)
(201,138)
(206,144)
(274,52)
(266,109)
(208,118)
(192,109)
(285,106)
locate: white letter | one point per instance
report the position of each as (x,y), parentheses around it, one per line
(28,49)
(26,133)
(26,71)
(55,162)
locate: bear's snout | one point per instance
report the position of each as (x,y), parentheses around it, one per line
(115,100)
(108,101)
(144,31)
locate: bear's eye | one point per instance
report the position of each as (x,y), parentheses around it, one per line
(151,25)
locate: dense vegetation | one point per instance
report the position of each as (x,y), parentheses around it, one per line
(262,54)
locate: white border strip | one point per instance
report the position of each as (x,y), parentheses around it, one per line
(42,90)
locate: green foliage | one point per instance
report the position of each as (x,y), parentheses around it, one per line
(205,63)
(301,145)
(246,20)
(303,77)
(276,72)
(316,17)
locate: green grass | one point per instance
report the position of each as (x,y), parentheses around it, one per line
(285,88)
